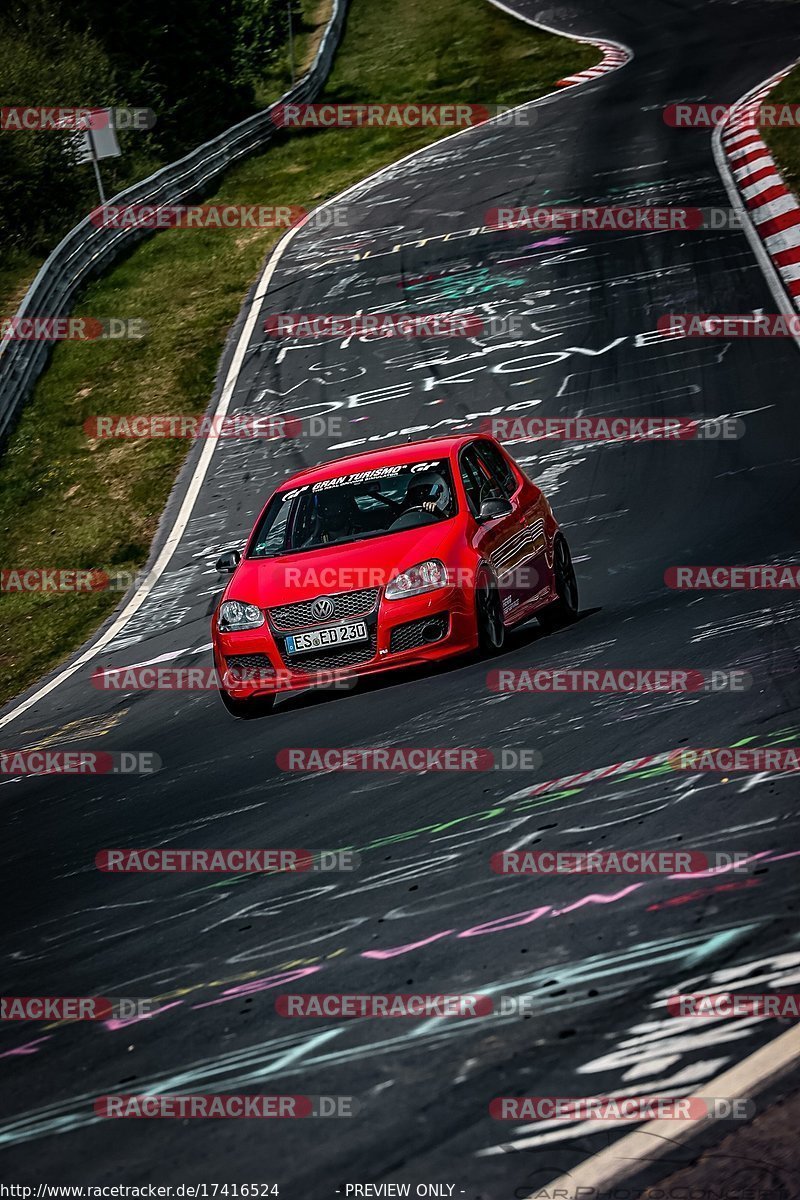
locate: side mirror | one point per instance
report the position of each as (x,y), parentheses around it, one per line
(493,508)
(228,562)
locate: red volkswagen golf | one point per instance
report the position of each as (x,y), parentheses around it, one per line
(387,559)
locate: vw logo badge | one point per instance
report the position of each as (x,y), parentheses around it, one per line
(322,609)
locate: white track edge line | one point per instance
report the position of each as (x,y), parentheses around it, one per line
(644,1146)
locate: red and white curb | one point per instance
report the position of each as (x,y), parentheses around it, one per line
(771,208)
(615,55)
(584,777)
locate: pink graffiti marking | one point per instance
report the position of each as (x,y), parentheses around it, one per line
(123,1022)
(395,950)
(259,985)
(721,870)
(510,921)
(28,1048)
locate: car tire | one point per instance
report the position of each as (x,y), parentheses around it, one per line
(489,616)
(247,710)
(564,610)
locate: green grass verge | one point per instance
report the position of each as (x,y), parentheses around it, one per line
(784,142)
(17,272)
(311,17)
(68,502)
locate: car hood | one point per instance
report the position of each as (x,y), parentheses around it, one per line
(267,582)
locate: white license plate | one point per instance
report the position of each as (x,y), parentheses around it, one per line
(334,635)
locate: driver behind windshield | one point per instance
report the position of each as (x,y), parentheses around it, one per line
(336,516)
(431,493)
(352,509)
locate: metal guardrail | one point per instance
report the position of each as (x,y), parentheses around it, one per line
(87,249)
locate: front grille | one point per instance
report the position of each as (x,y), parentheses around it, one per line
(249,666)
(410,635)
(345,604)
(335,657)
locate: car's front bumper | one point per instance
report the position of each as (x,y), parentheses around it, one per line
(403,633)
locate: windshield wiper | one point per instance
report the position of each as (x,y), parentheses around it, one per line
(351,537)
(342,541)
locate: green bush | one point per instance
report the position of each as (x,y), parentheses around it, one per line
(198,67)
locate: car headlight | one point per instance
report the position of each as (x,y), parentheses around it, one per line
(424,577)
(235,615)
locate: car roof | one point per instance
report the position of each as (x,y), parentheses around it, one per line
(385,456)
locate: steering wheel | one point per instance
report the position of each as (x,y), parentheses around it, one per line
(402,521)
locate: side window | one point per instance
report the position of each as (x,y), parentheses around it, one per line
(499,468)
(478,481)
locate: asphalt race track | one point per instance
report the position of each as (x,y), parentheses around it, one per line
(424,912)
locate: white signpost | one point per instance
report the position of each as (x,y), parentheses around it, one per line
(98,140)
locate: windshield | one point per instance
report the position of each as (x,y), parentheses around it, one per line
(354,507)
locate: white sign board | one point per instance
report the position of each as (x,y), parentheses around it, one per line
(99,141)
